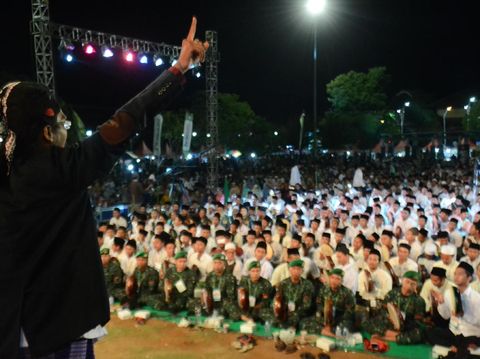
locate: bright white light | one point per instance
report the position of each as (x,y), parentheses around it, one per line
(198,75)
(130,167)
(275,133)
(194,134)
(449,108)
(174,62)
(69,58)
(209,135)
(437,150)
(407,104)
(466,107)
(189,157)
(157,60)
(144,59)
(473,99)
(253,155)
(168,170)
(1,139)
(348,153)
(89,133)
(152,158)
(138,160)
(106,52)
(399,111)
(315,7)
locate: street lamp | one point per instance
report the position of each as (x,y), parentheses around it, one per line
(315,7)
(401,112)
(447,110)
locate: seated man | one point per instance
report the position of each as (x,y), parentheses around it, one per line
(178,285)
(335,307)
(294,294)
(463,333)
(255,306)
(411,312)
(436,283)
(373,285)
(113,275)
(146,279)
(222,289)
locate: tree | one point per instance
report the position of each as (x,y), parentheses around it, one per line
(358,114)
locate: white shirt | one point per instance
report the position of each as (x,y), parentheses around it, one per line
(350,278)
(469,324)
(382,284)
(266,269)
(118,222)
(204,264)
(128,264)
(401,269)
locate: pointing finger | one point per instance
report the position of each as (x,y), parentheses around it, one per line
(193,29)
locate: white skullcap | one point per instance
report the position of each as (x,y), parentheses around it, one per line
(430,249)
(448,249)
(230,246)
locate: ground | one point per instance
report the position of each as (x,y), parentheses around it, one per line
(159,339)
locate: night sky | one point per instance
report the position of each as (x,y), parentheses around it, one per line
(266,48)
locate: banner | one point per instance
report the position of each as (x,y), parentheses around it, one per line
(187,133)
(302,120)
(157,135)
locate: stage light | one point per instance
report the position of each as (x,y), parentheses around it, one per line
(168,170)
(106,51)
(138,160)
(130,167)
(198,75)
(315,7)
(173,61)
(189,157)
(89,49)
(69,57)
(89,133)
(143,58)
(276,133)
(157,60)
(128,56)
(208,135)
(1,139)
(66,45)
(194,134)
(253,155)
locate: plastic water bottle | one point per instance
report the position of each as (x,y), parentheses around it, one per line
(268,329)
(346,336)
(339,339)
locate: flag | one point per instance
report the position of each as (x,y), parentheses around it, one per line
(157,135)
(187,133)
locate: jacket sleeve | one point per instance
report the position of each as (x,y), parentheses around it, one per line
(94,157)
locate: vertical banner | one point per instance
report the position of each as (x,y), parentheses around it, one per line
(302,120)
(157,135)
(187,133)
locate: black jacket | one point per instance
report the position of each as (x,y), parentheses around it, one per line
(51,278)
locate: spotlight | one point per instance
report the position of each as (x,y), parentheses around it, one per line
(253,155)
(198,75)
(157,60)
(194,134)
(89,49)
(128,56)
(143,58)
(89,133)
(69,57)
(130,167)
(106,51)
(208,135)
(173,61)
(189,157)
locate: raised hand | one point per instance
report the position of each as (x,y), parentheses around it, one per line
(193,50)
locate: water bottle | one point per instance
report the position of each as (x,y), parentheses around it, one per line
(338,335)
(268,329)
(346,336)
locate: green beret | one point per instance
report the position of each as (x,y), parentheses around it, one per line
(336,271)
(296,263)
(219,257)
(412,275)
(254,264)
(181,254)
(142,255)
(104,251)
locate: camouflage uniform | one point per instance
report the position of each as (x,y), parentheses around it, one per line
(300,295)
(178,301)
(413,308)
(226,284)
(262,291)
(114,279)
(147,292)
(343,310)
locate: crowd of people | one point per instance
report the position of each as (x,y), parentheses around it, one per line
(380,248)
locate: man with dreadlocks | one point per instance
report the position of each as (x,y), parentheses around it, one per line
(51,278)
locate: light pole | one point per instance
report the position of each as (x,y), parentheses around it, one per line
(468,108)
(315,7)
(401,112)
(448,109)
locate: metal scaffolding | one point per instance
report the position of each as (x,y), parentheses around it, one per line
(42,41)
(43,30)
(211,74)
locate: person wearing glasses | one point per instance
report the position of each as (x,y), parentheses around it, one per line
(51,275)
